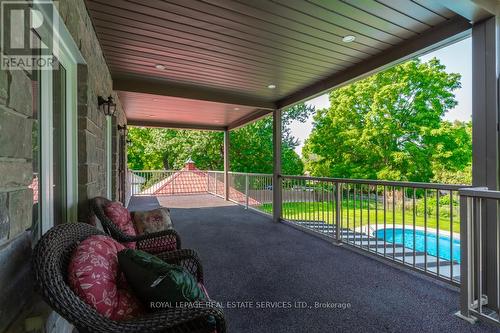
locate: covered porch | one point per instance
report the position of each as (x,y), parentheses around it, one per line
(249,260)
(218,65)
(227,75)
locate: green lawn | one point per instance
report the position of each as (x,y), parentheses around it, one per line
(324,211)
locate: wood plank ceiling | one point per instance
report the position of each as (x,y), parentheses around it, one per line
(241,48)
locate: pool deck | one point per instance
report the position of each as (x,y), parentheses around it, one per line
(402,254)
(249,260)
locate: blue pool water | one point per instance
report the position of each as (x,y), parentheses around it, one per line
(396,236)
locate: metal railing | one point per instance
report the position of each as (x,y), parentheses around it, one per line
(167,182)
(252,190)
(414,224)
(215,183)
(434,228)
(480,289)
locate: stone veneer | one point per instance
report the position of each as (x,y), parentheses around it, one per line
(94,79)
(16,199)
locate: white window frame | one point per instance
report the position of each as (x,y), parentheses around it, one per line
(109,156)
(69,56)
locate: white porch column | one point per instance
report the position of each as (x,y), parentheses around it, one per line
(485,139)
(226,164)
(277,197)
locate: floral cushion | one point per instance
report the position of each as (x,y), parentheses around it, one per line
(94,275)
(120,216)
(152,221)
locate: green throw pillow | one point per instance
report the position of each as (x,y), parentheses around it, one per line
(154,280)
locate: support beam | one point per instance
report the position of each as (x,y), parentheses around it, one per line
(254,116)
(473,10)
(485,138)
(162,124)
(226,164)
(277,195)
(160,87)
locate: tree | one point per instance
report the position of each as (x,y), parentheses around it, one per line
(452,160)
(145,151)
(251,147)
(160,148)
(388,126)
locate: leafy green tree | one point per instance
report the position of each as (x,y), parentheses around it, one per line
(251,147)
(452,160)
(145,151)
(159,148)
(388,126)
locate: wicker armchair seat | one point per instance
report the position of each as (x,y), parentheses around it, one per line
(154,243)
(50,263)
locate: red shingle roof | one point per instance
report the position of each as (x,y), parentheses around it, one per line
(182,182)
(191,180)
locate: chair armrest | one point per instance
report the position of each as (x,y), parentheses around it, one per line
(169,320)
(161,241)
(166,240)
(186,258)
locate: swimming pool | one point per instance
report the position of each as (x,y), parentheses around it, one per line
(396,236)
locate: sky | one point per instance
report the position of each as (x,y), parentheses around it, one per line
(456,57)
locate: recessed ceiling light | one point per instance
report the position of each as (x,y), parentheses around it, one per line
(155,99)
(348,38)
(271,86)
(159,66)
(150,116)
(236,109)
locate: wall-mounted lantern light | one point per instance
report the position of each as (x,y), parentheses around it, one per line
(122,129)
(106,106)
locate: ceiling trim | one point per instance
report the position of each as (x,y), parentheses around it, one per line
(249,118)
(473,10)
(445,33)
(160,124)
(165,88)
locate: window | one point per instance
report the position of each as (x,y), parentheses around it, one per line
(55,133)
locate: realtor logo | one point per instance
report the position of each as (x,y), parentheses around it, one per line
(27,35)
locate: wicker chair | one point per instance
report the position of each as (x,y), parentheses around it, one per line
(153,243)
(50,261)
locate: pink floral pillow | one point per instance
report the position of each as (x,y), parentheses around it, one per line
(93,274)
(120,216)
(152,221)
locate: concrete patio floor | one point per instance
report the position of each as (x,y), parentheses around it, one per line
(274,278)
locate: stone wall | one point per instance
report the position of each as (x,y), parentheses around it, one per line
(94,79)
(16,171)
(16,199)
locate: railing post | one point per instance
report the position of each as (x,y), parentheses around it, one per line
(277,197)
(338,200)
(226,164)
(466,259)
(215,183)
(130,182)
(208,181)
(246,191)
(173,183)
